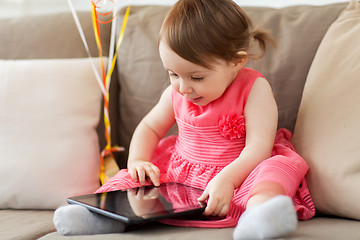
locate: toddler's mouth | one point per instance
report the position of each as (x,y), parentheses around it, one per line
(195,100)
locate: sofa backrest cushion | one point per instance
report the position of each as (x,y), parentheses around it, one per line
(49,36)
(298,31)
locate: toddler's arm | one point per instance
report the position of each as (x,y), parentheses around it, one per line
(148,133)
(261,125)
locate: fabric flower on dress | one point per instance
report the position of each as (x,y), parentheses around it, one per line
(232,126)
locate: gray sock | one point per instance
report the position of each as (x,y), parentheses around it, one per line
(271,219)
(78,220)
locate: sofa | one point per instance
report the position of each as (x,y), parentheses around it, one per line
(136,84)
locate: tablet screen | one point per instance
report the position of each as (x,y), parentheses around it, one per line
(144,204)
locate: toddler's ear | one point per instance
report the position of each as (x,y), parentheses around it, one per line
(240,60)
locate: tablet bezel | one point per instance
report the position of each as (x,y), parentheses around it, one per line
(133,219)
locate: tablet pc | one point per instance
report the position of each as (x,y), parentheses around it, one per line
(144,204)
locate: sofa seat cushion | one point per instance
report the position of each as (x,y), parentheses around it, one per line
(316,228)
(25,224)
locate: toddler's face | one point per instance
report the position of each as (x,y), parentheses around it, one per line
(198,84)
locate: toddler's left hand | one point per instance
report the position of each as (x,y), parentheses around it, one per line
(219,192)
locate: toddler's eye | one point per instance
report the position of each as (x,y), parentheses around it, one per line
(171,74)
(197,78)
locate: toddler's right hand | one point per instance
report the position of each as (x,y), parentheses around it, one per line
(140,170)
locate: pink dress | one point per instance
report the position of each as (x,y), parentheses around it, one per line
(212,136)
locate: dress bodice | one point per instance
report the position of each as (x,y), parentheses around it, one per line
(215,133)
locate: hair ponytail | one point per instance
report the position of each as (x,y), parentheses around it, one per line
(263,37)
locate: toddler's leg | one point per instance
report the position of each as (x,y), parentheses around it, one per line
(77,220)
(274,218)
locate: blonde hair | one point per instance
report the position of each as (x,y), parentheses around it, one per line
(198,30)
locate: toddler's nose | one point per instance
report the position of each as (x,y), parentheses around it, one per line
(184,88)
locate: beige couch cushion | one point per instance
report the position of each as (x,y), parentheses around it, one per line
(49,36)
(313,229)
(141,74)
(328,126)
(49,111)
(298,31)
(25,224)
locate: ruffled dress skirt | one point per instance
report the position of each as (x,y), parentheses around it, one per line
(285,167)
